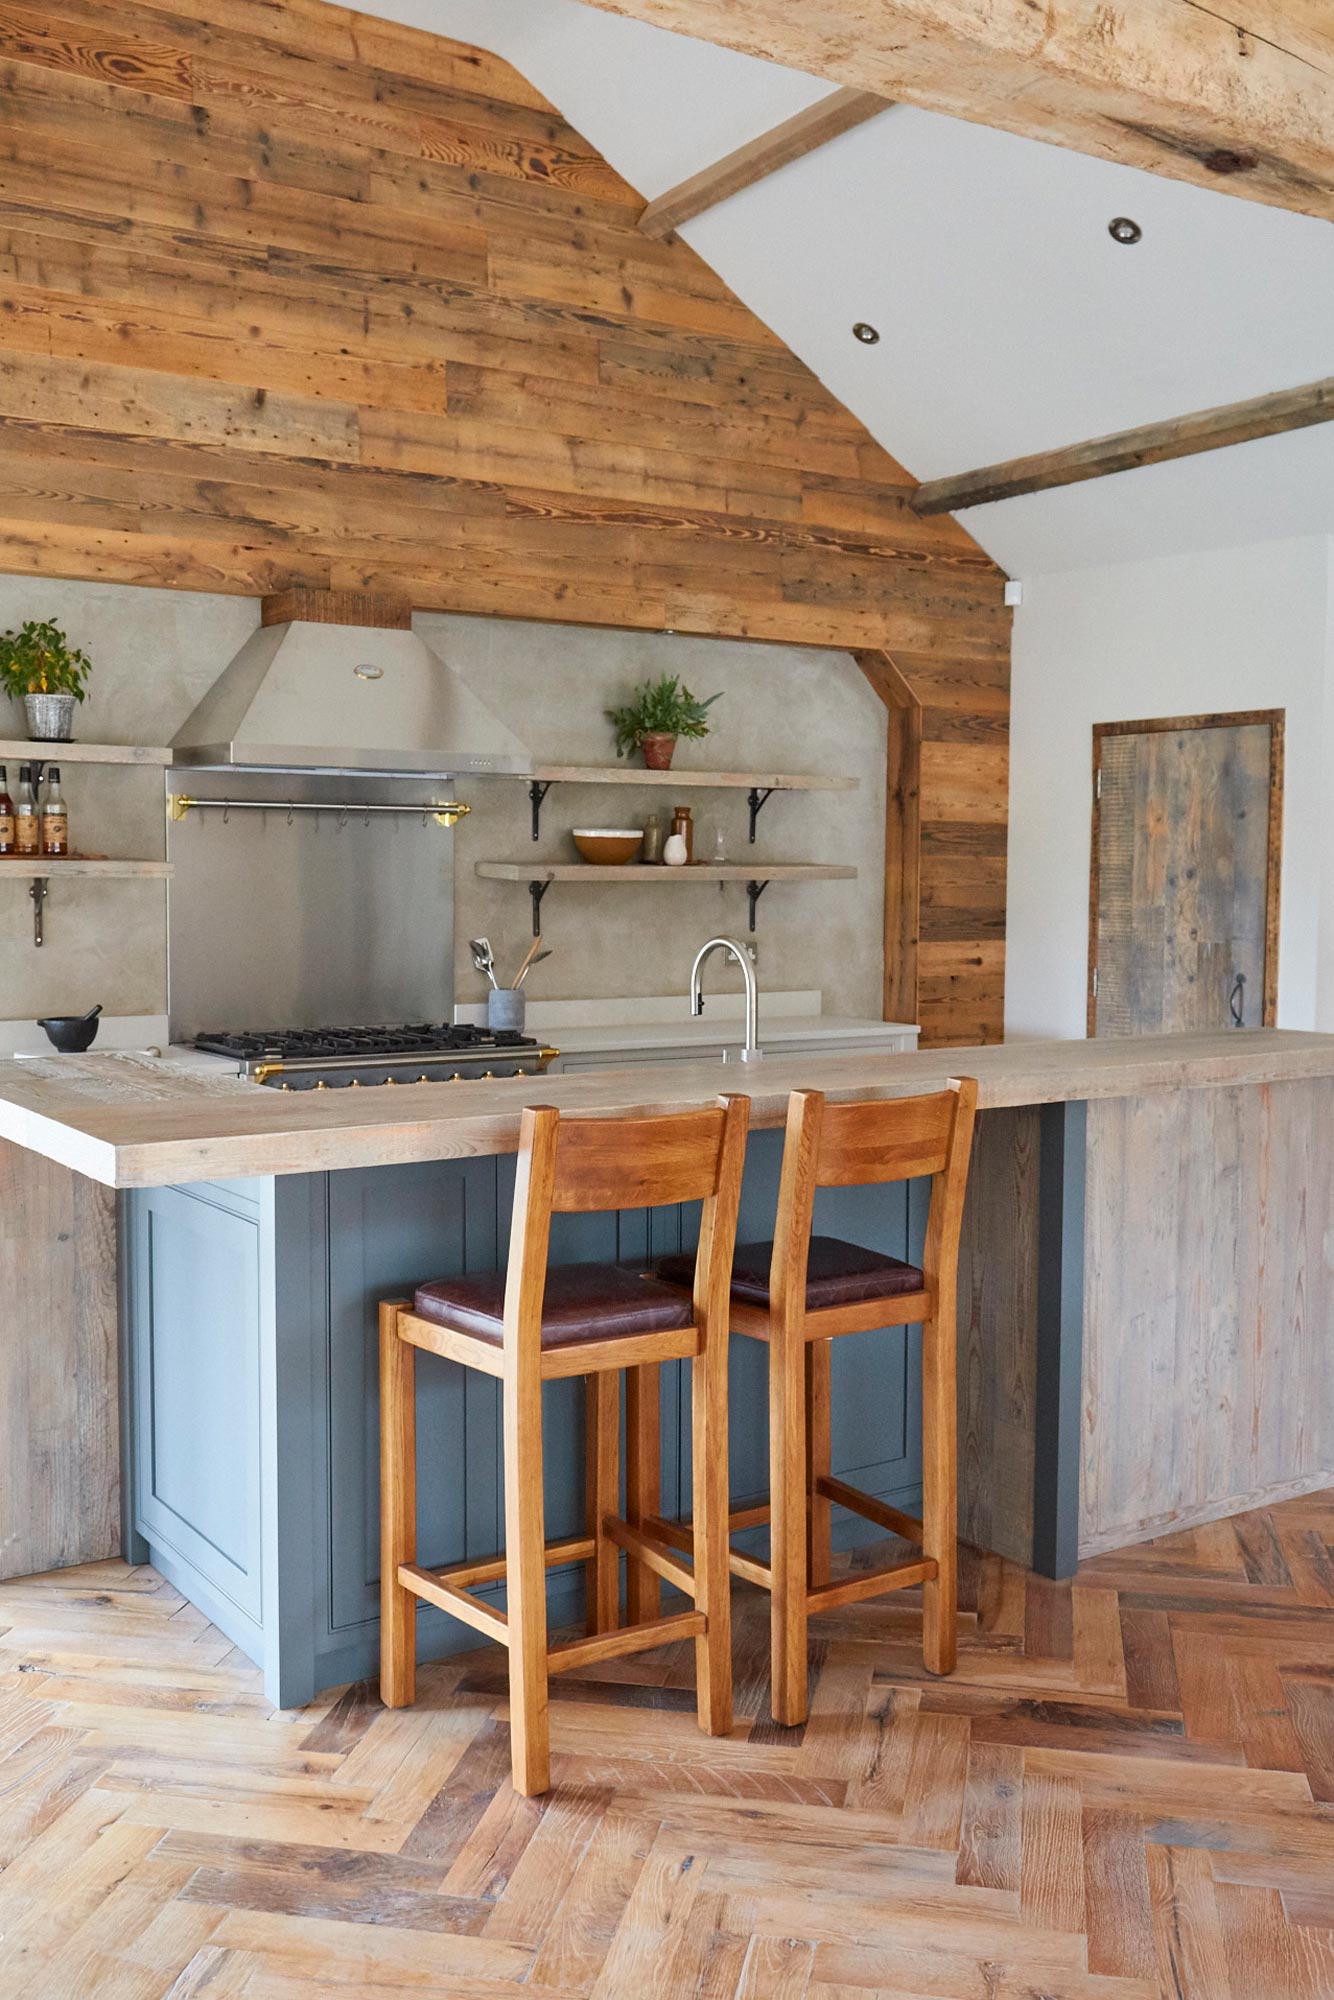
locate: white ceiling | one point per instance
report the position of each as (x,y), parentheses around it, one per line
(1010,321)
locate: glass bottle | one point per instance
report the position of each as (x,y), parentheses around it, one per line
(27,829)
(6,814)
(685,826)
(55,819)
(651,851)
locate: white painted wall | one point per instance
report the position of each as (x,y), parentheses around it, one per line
(1184,635)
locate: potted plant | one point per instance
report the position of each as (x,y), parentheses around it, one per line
(38,663)
(661,711)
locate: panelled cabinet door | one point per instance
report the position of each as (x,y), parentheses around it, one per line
(195,1319)
(1184,903)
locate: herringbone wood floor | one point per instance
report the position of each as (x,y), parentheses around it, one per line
(1126,1792)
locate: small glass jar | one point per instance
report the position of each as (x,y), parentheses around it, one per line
(651,851)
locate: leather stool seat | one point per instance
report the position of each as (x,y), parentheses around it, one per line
(837,1274)
(581,1302)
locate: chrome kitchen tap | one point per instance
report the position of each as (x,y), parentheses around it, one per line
(750,1052)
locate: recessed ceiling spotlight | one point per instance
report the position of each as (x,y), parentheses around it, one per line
(1121,229)
(865,333)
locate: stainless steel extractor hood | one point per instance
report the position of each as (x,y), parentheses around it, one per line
(306,693)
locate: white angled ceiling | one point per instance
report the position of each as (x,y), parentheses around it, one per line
(1010,321)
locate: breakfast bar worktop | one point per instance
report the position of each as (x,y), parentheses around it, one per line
(1146,1297)
(141,1121)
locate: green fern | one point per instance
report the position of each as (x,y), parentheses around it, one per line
(659,708)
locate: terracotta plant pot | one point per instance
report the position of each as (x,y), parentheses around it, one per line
(658,751)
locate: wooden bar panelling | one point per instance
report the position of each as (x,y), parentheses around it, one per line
(297,299)
(1206,1354)
(59,1368)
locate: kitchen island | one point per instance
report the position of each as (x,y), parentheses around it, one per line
(1145,1308)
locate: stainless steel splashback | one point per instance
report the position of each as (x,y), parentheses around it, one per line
(329,920)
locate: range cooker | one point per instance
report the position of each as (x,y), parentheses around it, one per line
(350,1058)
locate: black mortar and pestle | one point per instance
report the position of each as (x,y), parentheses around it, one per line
(72,1033)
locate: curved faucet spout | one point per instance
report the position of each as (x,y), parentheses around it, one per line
(751,1050)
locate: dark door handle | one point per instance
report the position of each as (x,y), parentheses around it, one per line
(1237,1001)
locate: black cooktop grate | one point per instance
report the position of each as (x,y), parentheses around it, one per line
(422,1038)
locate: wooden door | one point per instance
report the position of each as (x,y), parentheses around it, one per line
(1183,918)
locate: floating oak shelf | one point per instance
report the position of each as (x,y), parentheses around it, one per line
(641,871)
(757,875)
(736,781)
(14,751)
(46,865)
(759,784)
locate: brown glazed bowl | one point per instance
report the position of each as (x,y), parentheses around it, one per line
(608,846)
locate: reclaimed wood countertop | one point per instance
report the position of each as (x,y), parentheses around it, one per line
(141,1121)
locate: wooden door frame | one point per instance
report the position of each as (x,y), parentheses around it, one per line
(1161,725)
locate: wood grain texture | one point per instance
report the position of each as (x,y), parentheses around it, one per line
(1149,444)
(300,300)
(1122,1794)
(1240,99)
(828,118)
(1186,871)
(946,819)
(59,1368)
(137,1122)
(1205,1353)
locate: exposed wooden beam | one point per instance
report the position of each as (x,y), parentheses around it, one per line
(1237,96)
(1151,444)
(839,112)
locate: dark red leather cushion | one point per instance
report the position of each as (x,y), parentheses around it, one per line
(837,1274)
(582,1302)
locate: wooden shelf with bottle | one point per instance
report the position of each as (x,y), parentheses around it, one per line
(39,870)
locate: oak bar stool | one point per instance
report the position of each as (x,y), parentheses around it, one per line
(574,1319)
(799,1294)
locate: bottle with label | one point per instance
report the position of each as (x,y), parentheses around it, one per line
(55,819)
(27,829)
(684,825)
(6,814)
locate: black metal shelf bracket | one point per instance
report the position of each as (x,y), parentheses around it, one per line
(756,799)
(537,791)
(38,892)
(754,890)
(537,890)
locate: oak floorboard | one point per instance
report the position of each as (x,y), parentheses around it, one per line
(1125,1792)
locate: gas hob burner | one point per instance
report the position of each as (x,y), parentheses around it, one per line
(350,1058)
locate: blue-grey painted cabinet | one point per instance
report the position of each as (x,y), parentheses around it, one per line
(253,1354)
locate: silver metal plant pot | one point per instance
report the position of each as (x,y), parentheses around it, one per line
(50,717)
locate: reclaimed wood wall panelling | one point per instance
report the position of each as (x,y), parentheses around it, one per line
(294,298)
(59,1367)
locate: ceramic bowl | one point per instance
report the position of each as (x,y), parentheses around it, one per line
(608,846)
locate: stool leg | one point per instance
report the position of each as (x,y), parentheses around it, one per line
(713,1577)
(940,1597)
(643,1483)
(398,1511)
(603,1463)
(819,1355)
(787,1480)
(526,1579)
